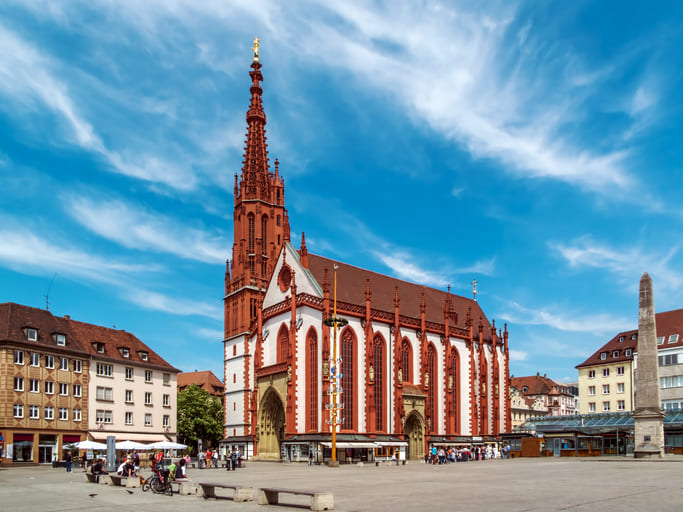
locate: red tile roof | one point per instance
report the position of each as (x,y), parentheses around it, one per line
(537,385)
(80,336)
(667,323)
(351,288)
(204,379)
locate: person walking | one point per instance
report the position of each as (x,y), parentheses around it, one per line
(215,458)
(68,458)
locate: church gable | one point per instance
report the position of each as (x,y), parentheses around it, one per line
(287,269)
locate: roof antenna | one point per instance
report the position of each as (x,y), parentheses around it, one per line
(47,294)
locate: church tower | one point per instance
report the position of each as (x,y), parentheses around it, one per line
(261,224)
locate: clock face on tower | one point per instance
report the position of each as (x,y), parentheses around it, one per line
(284,278)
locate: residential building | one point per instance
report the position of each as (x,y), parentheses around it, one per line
(44,378)
(607,377)
(556,398)
(64,381)
(205,380)
(523,407)
(414,364)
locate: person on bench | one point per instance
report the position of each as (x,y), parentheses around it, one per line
(97,468)
(181,470)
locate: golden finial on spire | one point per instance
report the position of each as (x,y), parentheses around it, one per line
(255,48)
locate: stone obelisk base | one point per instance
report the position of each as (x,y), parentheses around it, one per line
(649,434)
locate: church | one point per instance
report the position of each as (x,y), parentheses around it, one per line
(404,367)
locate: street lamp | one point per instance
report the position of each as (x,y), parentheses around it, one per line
(335,372)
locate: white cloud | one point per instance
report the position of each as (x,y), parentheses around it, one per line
(29,79)
(177,306)
(518,355)
(28,253)
(407,270)
(136,228)
(564,320)
(627,264)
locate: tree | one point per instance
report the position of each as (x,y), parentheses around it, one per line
(200,416)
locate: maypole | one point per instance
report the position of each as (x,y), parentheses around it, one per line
(335,362)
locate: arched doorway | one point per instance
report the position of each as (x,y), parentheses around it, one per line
(271,425)
(414,430)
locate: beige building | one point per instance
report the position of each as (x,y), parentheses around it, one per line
(607,378)
(524,407)
(63,381)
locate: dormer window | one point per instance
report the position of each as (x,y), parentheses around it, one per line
(615,354)
(525,389)
(603,355)
(125,352)
(660,340)
(629,352)
(673,338)
(621,339)
(634,336)
(144,356)
(31,334)
(60,339)
(99,347)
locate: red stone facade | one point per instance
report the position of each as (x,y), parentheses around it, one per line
(277,298)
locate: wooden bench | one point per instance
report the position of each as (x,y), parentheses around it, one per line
(91,478)
(240,493)
(319,500)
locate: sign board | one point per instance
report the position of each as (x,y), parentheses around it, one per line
(111,453)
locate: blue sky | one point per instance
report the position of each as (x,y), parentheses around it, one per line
(534,147)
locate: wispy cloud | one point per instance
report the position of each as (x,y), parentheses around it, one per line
(28,253)
(136,228)
(518,355)
(627,264)
(30,80)
(563,320)
(177,306)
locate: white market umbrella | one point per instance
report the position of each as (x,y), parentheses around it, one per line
(90,445)
(131,445)
(166,445)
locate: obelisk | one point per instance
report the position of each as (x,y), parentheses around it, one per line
(648,414)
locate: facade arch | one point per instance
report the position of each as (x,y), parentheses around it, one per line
(432,388)
(312,379)
(271,424)
(414,429)
(282,344)
(406,361)
(454,391)
(349,368)
(379,384)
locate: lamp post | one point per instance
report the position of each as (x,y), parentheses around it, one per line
(335,373)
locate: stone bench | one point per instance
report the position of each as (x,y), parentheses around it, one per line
(185,487)
(319,500)
(111,479)
(90,478)
(240,493)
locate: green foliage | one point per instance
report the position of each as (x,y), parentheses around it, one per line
(200,416)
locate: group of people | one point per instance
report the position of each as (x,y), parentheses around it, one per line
(208,459)
(446,455)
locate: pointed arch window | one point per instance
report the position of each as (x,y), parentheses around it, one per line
(283,344)
(312,385)
(348,373)
(431,392)
(264,233)
(454,375)
(251,226)
(378,359)
(406,360)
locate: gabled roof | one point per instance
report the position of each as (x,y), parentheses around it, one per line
(537,385)
(667,323)
(80,336)
(204,379)
(351,284)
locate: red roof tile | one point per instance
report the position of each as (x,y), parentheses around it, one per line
(351,288)
(667,323)
(80,336)
(204,379)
